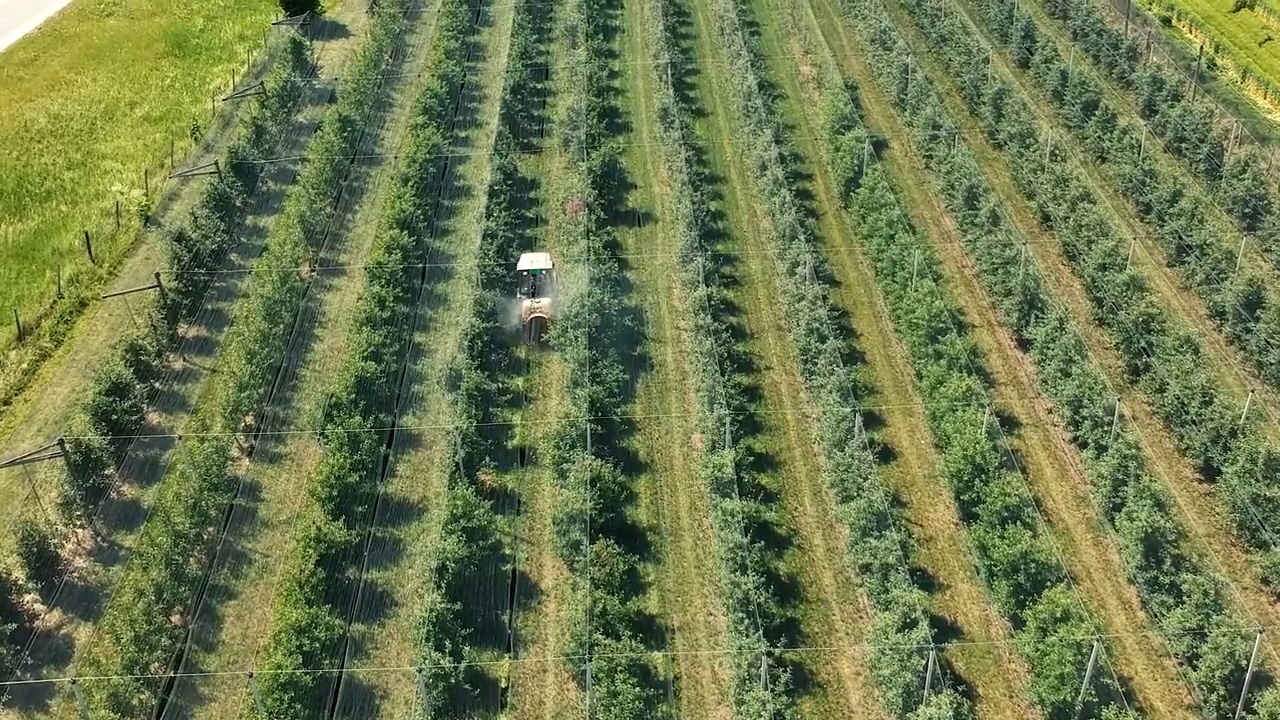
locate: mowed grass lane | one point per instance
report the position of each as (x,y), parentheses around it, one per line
(86,102)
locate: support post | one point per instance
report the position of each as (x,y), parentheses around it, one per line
(160,288)
(930,669)
(986,419)
(990,65)
(866,154)
(1048,146)
(422,687)
(17,324)
(146,182)
(1240,253)
(915,268)
(728,432)
(462,473)
(257,696)
(1248,675)
(1115,420)
(172,147)
(81,705)
(764,670)
(590,688)
(88,248)
(1195,79)
(66,460)
(1128,7)
(1022,262)
(1142,148)
(1071,64)
(1088,677)
(117,214)
(59,279)
(1133,242)
(1245,414)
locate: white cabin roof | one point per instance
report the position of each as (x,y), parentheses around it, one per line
(534,261)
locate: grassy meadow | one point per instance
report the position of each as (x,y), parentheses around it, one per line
(86,102)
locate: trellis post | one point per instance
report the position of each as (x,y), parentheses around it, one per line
(1195,79)
(1245,414)
(1142,148)
(58,276)
(257,696)
(930,668)
(1048,146)
(81,705)
(1022,262)
(88,248)
(1248,675)
(1115,420)
(986,419)
(1240,252)
(915,268)
(17,324)
(1133,242)
(1088,677)
(422,688)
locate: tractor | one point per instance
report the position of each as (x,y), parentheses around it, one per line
(535,273)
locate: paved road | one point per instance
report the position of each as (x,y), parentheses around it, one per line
(19,17)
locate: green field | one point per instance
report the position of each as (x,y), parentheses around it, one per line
(90,99)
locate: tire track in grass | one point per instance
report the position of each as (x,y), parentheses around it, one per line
(540,685)
(675,502)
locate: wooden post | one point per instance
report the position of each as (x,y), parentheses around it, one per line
(1133,242)
(1240,252)
(986,419)
(1142,148)
(146,182)
(88,247)
(1248,675)
(117,215)
(1088,676)
(915,268)
(81,705)
(1048,146)
(17,324)
(58,276)
(172,145)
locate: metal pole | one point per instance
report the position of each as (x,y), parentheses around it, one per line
(1245,414)
(1240,252)
(986,419)
(257,696)
(1248,675)
(1115,420)
(80,703)
(929,669)
(422,688)
(1088,677)
(1195,80)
